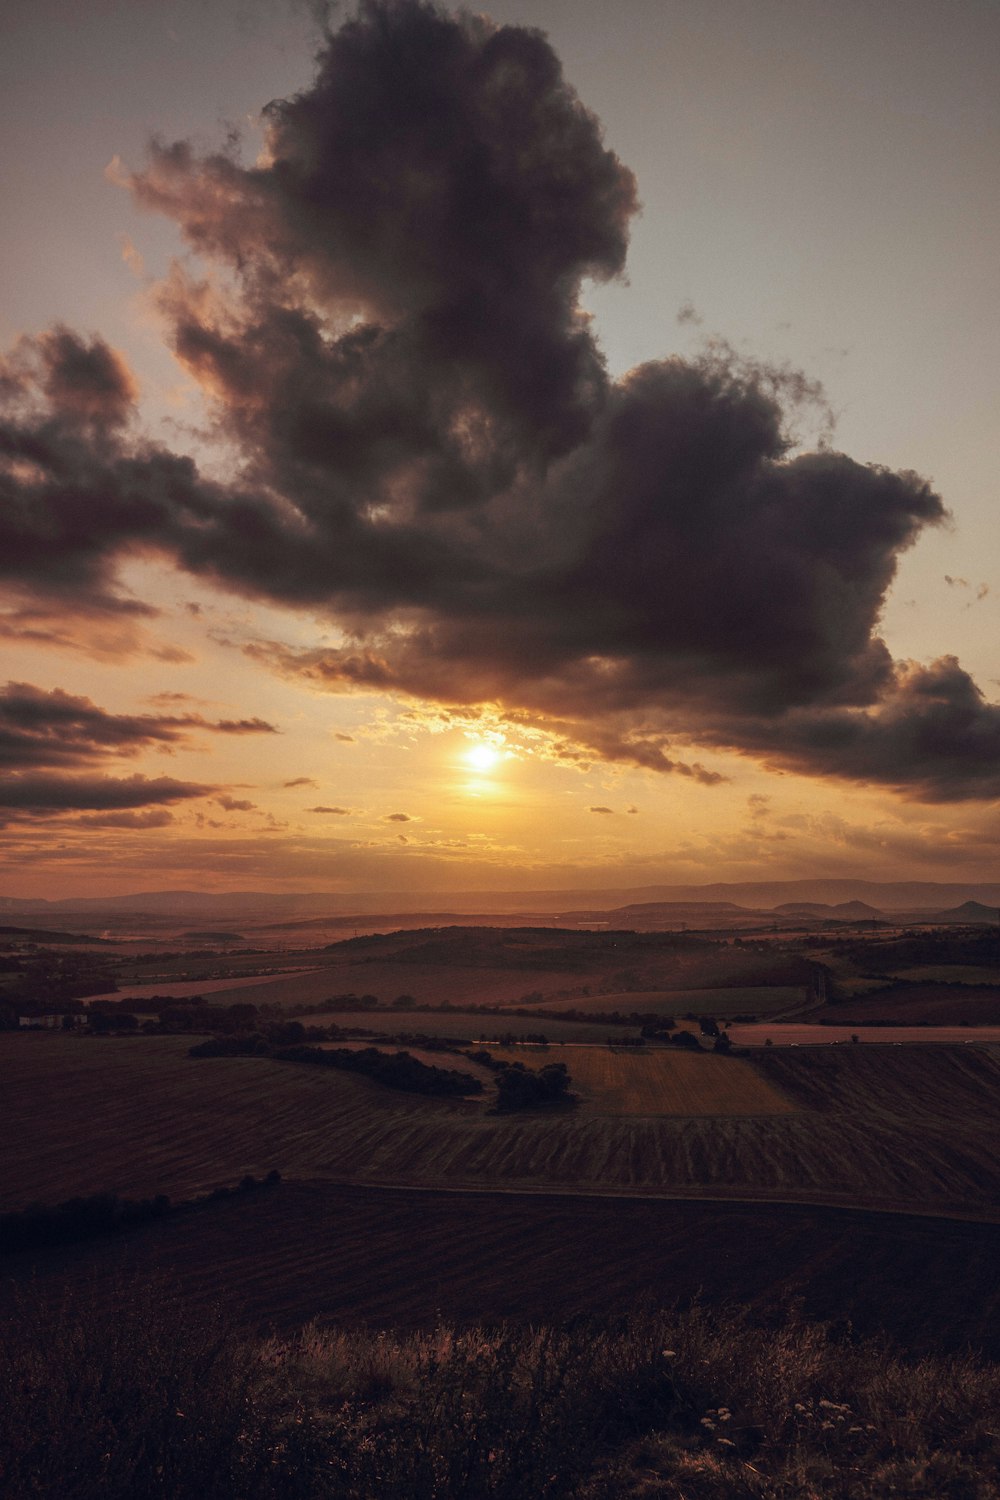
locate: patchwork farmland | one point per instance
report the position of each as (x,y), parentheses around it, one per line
(893,1127)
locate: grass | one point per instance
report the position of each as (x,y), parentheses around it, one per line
(662,1082)
(150,1400)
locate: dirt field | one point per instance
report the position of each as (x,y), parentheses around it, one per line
(889,1126)
(661,1082)
(406,1258)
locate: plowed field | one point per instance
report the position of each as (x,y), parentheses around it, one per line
(406,1258)
(892,1126)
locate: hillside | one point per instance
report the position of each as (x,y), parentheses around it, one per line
(890,1127)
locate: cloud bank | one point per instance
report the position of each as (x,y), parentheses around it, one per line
(384,312)
(54,746)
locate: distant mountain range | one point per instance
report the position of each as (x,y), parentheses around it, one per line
(840,899)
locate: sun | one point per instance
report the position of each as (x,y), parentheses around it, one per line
(482,756)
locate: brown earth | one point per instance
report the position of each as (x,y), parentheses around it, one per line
(897,1127)
(409,1258)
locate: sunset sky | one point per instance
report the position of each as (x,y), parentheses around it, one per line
(549,448)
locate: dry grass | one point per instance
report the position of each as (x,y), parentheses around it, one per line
(157,1403)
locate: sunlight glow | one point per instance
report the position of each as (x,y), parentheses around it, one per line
(482,755)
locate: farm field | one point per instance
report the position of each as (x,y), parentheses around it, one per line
(665,1081)
(810,1034)
(759,1000)
(937,1004)
(429,984)
(504,966)
(896,1127)
(401,1258)
(465,1025)
(181,988)
(952,973)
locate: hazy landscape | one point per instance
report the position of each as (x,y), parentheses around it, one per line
(701,1157)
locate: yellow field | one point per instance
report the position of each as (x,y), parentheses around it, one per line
(665,1082)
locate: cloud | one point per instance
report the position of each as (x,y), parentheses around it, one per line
(602,810)
(399,818)
(40,727)
(301,781)
(433,455)
(341,812)
(54,793)
(244,726)
(235,804)
(931,736)
(155,818)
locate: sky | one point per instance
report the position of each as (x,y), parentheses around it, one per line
(547,448)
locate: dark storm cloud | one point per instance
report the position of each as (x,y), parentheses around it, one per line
(86,382)
(157,817)
(932,736)
(46,794)
(58,729)
(243,726)
(435,456)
